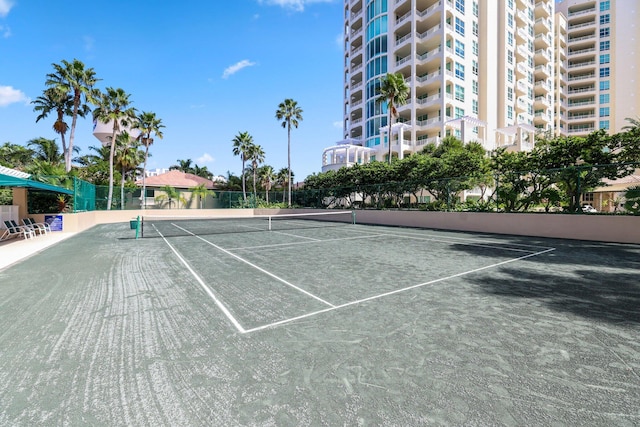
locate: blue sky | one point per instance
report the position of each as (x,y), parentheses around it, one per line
(208,71)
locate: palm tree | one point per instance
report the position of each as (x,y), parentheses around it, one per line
(202,172)
(55,99)
(394,91)
(46,150)
(73,79)
(147,123)
(15,156)
(114,107)
(170,195)
(632,200)
(256,155)
(127,158)
(290,114)
(241,143)
(282,178)
(267,176)
(183,166)
(201,192)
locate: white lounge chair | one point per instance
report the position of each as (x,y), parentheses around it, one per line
(15,230)
(40,227)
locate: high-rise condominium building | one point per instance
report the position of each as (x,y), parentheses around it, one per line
(492,71)
(602,80)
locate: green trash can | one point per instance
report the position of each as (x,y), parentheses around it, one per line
(133,224)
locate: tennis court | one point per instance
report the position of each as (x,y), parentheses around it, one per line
(300,322)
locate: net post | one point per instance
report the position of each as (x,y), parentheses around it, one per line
(353,217)
(269,222)
(137,227)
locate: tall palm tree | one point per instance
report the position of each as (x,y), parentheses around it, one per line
(394,92)
(256,155)
(267,176)
(56,99)
(15,156)
(148,124)
(282,178)
(127,158)
(114,107)
(241,143)
(290,114)
(202,171)
(74,79)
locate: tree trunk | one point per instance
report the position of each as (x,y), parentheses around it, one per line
(289,157)
(111,156)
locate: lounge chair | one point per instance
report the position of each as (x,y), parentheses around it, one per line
(40,227)
(15,230)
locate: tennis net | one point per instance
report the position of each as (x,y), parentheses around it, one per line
(170,226)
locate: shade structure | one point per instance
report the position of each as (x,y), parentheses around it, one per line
(13,181)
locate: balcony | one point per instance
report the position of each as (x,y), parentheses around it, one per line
(430,32)
(543,25)
(582,12)
(575,65)
(542,9)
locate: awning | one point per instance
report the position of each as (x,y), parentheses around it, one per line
(13,181)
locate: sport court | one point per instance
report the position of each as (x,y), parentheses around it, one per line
(319,324)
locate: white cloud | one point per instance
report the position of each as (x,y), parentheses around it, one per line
(229,71)
(9,95)
(5,7)
(297,5)
(205,158)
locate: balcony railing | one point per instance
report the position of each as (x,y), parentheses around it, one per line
(582,12)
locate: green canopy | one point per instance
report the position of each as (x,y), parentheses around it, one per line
(12,181)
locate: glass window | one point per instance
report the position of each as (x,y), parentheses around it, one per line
(475,28)
(474,67)
(605,45)
(474,106)
(510,20)
(604,32)
(459,112)
(510,38)
(604,124)
(475,9)
(604,112)
(510,75)
(605,59)
(510,112)
(510,94)
(605,5)
(510,57)
(460,26)
(474,87)
(604,98)
(604,85)
(605,19)
(604,72)
(460,6)
(459,49)
(510,4)
(459,95)
(459,71)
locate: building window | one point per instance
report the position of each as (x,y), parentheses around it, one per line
(587,197)
(604,124)
(604,112)
(605,58)
(605,85)
(510,38)
(475,48)
(605,45)
(604,72)
(510,4)
(459,112)
(604,98)
(460,6)
(476,9)
(460,26)
(474,67)
(510,112)
(604,32)
(459,95)
(605,19)
(459,49)
(605,5)
(510,57)
(510,94)
(510,20)
(510,75)
(474,87)
(475,28)
(474,106)
(459,71)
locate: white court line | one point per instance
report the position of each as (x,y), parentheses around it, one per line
(295,235)
(275,245)
(256,267)
(205,287)
(430,239)
(281,322)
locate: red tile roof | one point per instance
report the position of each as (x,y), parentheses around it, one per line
(176,179)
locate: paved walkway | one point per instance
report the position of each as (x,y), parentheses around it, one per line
(15,250)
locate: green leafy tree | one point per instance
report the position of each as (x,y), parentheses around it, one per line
(185,166)
(15,156)
(114,107)
(170,194)
(267,177)
(73,79)
(201,192)
(290,115)
(127,158)
(632,200)
(393,92)
(242,143)
(95,165)
(282,180)
(46,150)
(149,126)
(202,171)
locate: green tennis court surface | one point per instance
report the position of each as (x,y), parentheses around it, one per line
(339,325)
